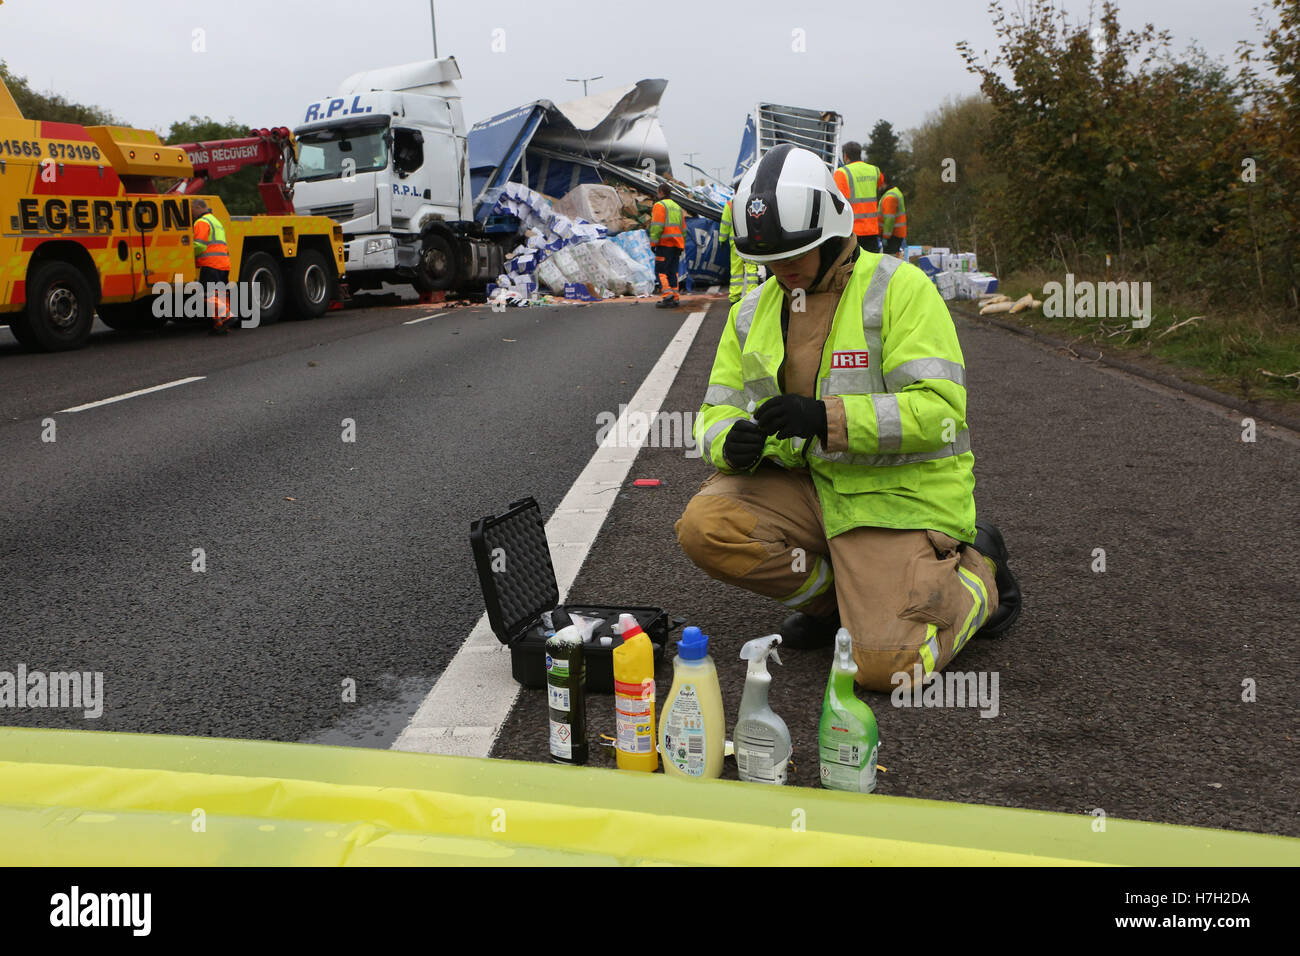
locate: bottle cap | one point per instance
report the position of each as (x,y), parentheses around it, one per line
(694,645)
(628,627)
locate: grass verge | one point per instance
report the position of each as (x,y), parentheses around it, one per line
(1248,355)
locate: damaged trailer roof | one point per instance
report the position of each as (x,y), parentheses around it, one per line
(553,148)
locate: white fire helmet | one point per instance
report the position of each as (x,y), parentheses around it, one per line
(787,204)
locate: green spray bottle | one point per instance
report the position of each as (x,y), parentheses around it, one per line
(847,737)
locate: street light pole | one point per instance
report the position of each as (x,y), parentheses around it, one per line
(583,81)
(433,23)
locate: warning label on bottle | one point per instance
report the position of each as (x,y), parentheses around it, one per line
(843,767)
(684,732)
(634,716)
(561,739)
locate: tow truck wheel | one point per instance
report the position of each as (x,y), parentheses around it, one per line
(131,316)
(312,286)
(263,269)
(436,270)
(59,310)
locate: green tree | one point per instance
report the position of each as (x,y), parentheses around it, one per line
(954,177)
(1110,146)
(1264,197)
(882,148)
(238,190)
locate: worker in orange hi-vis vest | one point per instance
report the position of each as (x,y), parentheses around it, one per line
(668,239)
(893,221)
(212,256)
(861,183)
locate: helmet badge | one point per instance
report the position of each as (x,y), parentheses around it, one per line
(756,207)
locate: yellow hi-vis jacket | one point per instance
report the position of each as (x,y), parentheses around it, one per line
(744,274)
(893,358)
(893,214)
(210,247)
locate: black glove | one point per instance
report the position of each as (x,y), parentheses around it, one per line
(744,445)
(792,416)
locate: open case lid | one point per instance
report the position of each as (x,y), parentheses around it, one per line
(513,559)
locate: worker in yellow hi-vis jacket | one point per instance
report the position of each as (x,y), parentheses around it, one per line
(745,275)
(835,416)
(212,256)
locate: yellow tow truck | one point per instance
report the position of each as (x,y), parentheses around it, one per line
(85,229)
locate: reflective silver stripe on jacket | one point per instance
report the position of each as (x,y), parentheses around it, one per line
(745,316)
(847,381)
(869,381)
(889,422)
(921,368)
(716,429)
(958,447)
(873,317)
(721,395)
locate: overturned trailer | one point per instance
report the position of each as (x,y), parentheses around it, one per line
(609,138)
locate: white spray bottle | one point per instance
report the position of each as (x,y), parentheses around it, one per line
(762,739)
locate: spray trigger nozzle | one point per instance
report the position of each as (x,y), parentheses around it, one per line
(844,650)
(760,649)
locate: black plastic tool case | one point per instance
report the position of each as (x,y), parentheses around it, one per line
(513,559)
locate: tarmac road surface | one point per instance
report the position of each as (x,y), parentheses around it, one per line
(325,560)
(1119,691)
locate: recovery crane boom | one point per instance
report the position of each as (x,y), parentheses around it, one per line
(273,149)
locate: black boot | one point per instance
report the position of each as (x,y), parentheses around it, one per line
(804,632)
(988,542)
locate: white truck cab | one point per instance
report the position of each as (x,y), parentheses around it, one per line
(387,158)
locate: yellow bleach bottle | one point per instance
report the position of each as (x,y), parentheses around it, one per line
(634,698)
(692,734)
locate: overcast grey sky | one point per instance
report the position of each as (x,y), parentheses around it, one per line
(266,59)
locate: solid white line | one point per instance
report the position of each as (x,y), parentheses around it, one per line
(464,710)
(143,391)
(424,318)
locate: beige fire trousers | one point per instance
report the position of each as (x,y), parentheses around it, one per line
(906,597)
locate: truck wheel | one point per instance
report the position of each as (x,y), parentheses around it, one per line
(265,270)
(131,316)
(437,269)
(313,283)
(59,310)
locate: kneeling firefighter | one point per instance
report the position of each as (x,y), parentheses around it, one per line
(848,496)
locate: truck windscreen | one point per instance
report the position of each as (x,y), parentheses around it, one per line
(339,153)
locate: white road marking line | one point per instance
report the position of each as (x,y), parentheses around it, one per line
(464,709)
(424,318)
(143,391)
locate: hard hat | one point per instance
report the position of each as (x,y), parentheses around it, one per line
(787,204)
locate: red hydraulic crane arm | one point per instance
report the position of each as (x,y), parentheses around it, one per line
(268,148)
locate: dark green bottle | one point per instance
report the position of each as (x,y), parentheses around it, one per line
(566,693)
